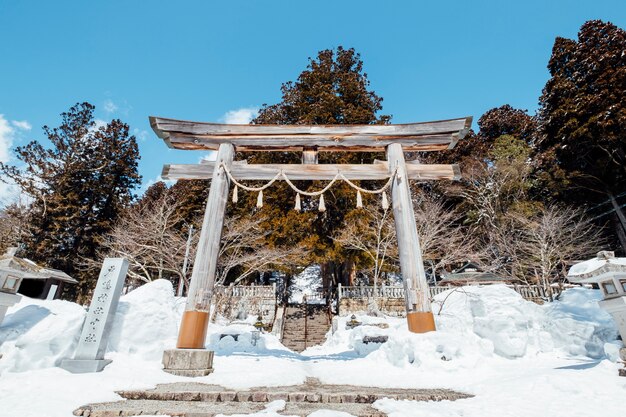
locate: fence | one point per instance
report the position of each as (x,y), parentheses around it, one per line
(317,297)
(262,291)
(363,291)
(528,292)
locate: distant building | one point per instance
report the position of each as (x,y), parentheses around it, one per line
(27,278)
(471,274)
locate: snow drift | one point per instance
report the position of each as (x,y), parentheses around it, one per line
(473,323)
(40,334)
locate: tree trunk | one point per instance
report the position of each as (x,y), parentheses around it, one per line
(348,272)
(621,234)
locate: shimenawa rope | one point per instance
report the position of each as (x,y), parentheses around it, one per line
(322,206)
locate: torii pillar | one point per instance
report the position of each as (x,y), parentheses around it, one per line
(193,327)
(190,358)
(416,295)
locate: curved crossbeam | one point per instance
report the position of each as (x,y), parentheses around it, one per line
(427,136)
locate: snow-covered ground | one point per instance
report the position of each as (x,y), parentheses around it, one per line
(516,357)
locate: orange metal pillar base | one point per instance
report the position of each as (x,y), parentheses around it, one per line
(193,329)
(420,322)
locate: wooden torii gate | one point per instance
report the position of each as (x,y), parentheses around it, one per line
(308,139)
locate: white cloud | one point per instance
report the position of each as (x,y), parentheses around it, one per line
(8,192)
(6,139)
(211,157)
(98,123)
(140,134)
(21,124)
(109,106)
(241,116)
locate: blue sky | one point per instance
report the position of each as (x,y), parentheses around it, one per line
(201,60)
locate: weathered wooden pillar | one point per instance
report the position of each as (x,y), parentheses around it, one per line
(195,320)
(419,315)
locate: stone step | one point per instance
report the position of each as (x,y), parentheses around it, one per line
(310,392)
(201,409)
(297,318)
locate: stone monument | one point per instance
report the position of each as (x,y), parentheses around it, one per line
(94,337)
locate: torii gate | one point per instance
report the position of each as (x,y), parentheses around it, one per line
(308,139)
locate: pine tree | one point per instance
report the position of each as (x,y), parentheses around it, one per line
(332,90)
(79,184)
(583,117)
(475,148)
(191,196)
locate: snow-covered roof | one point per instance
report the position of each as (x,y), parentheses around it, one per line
(30,270)
(596,269)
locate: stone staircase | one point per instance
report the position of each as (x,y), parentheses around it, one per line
(193,399)
(305,325)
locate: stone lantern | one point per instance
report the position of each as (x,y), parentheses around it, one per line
(30,279)
(609,273)
(10,281)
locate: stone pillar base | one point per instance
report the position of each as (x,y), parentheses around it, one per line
(188,362)
(420,322)
(83,366)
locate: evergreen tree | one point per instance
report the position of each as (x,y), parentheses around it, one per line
(332,90)
(191,197)
(475,148)
(79,184)
(583,116)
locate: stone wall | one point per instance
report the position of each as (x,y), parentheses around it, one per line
(239,307)
(389,306)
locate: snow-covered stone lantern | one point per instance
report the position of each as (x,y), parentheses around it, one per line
(609,273)
(10,280)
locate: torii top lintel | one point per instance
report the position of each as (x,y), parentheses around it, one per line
(426,136)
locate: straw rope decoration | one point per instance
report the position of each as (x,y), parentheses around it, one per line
(320,193)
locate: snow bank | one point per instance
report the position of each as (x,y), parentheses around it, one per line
(578,325)
(480,322)
(240,337)
(147,321)
(516,357)
(39,333)
(575,324)
(472,323)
